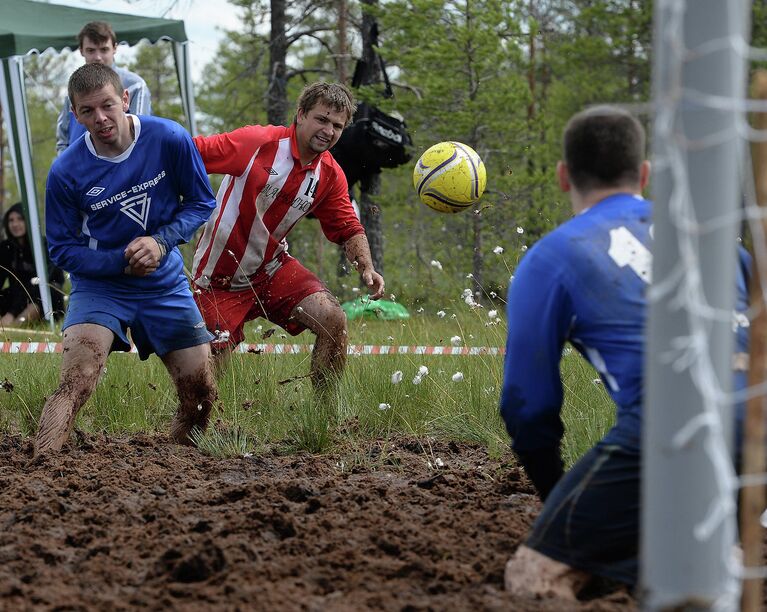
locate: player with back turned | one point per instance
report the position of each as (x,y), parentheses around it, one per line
(585,283)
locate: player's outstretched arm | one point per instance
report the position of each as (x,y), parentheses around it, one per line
(358,252)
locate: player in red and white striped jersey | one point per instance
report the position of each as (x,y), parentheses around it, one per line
(275,176)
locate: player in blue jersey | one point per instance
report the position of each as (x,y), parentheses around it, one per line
(118,202)
(585,283)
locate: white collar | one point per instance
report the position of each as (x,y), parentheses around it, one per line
(125,154)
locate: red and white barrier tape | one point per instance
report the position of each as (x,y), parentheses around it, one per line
(290,349)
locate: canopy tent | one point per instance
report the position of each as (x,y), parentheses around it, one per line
(28,27)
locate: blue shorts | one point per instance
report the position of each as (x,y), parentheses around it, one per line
(590,520)
(158,324)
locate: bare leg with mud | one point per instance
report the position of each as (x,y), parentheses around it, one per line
(192,373)
(322,314)
(531,574)
(85,348)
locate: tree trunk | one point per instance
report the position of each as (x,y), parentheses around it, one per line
(370,214)
(343,43)
(276,95)
(371,217)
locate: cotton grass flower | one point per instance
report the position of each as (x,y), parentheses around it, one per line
(423,370)
(35,280)
(396,378)
(436,264)
(382,406)
(457,377)
(417,380)
(441,314)
(498,250)
(456,341)
(520,230)
(492,314)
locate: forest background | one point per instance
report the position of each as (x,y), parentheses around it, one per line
(502,76)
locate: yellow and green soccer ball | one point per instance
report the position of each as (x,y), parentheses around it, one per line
(449,177)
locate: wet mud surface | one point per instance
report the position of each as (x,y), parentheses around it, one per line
(140,523)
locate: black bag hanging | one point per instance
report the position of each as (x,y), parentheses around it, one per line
(375,139)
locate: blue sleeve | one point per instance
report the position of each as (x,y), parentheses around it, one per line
(67,245)
(192,184)
(540,315)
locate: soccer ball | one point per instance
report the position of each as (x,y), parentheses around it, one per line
(449,177)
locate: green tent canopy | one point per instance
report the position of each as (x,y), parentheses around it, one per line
(32,27)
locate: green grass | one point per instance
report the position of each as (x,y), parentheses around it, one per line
(267,400)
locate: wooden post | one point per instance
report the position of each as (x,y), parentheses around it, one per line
(753,497)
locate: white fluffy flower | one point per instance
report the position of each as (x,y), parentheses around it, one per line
(423,370)
(417,380)
(436,264)
(420,309)
(458,377)
(520,230)
(35,280)
(491,314)
(456,341)
(439,463)
(441,314)
(383,406)
(523,248)
(355,289)
(498,250)
(396,378)
(222,336)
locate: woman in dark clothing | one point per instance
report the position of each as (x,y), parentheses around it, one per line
(20,300)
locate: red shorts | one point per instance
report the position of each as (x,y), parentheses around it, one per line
(273,298)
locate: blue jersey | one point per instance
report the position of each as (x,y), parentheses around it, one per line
(95,206)
(585,283)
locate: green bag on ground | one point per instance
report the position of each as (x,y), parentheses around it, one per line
(374,309)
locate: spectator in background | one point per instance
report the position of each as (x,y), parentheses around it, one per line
(98,45)
(20,300)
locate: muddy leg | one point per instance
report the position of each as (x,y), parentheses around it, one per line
(322,314)
(531,574)
(86,348)
(192,373)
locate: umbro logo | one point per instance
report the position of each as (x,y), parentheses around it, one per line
(271,171)
(94,191)
(137,208)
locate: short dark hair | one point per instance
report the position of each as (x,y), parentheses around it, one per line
(335,95)
(604,146)
(98,32)
(91,77)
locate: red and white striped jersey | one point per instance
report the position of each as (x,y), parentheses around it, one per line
(265,193)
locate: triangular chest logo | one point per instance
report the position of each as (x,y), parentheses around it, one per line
(137,208)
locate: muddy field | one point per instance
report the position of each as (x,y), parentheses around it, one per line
(116,524)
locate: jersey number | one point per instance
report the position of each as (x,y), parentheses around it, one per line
(626,250)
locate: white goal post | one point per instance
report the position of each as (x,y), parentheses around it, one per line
(689,487)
